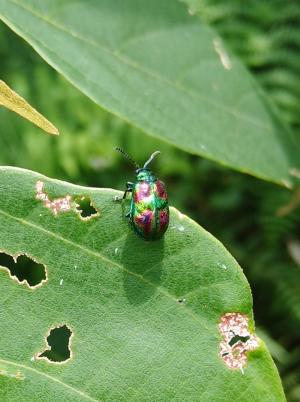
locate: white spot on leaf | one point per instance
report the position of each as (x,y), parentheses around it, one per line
(181,301)
(57,205)
(293,247)
(287,183)
(180,215)
(295,172)
(191,11)
(18,375)
(224,58)
(178,227)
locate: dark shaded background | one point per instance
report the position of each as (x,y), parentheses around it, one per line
(239,210)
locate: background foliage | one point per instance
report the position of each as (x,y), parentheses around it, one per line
(239,210)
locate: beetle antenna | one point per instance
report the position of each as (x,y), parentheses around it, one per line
(151,158)
(127,157)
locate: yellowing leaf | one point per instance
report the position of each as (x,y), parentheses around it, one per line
(11,100)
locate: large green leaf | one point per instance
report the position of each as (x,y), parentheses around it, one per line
(144,315)
(157,67)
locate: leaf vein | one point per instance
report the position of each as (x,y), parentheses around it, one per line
(50,377)
(100,256)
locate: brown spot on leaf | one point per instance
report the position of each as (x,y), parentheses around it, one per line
(237,340)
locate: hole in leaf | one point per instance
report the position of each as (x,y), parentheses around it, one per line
(58,340)
(85,208)
(24,269)
(237,338)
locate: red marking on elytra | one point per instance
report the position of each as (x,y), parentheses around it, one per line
(144,220)
(143,191)
(163,220)
(160,189)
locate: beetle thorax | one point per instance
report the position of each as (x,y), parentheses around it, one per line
(145,175)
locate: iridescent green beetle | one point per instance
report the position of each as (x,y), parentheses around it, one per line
(149,208)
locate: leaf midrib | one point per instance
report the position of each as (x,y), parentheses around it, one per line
(138,67)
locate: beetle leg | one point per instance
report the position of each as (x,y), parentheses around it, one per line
(129,187)
(125,193)
(129,213)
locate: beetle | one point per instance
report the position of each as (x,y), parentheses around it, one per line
(149,207)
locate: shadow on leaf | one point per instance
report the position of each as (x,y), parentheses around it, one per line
(143,263)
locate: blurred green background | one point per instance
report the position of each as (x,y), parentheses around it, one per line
(241,211)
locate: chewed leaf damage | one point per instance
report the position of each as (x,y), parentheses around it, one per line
(58,342)
(237,340)
(57,205)
(82,205)
(24,269)
(85,208)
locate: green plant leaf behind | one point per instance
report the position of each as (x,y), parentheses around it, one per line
(11,100)
(137,321)
(156,66)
